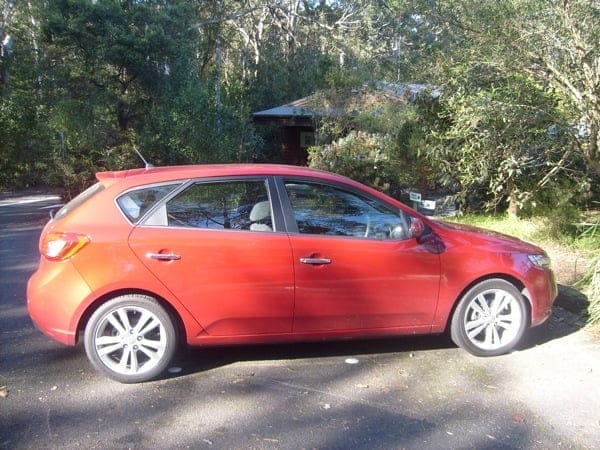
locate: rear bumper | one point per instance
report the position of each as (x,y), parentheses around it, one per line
(54,294)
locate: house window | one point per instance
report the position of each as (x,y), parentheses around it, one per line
(307,139)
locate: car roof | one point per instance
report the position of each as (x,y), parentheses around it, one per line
(133,177)
(124,180)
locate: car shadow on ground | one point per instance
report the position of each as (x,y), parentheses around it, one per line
(565,320)
(198,359)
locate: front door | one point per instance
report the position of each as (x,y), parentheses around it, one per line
(356,266)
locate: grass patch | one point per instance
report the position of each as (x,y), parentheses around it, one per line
(524,229)
(539,230)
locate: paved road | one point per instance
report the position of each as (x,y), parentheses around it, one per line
(403,393)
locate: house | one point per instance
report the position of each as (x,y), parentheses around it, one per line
(300,119)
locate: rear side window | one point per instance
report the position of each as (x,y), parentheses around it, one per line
(232,205)
(135,204)
(79,200)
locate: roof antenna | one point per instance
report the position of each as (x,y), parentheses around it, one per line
(146,163)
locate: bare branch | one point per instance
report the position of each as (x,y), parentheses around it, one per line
(228,18)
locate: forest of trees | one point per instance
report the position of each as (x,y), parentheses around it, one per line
(84,83)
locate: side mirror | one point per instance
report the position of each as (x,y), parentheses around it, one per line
(417,227)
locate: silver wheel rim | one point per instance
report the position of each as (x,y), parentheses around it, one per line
(493,319)
(130,340)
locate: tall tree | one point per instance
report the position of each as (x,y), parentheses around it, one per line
(7,10)
(111,63)
(564,52)
(554,42)
(519,109)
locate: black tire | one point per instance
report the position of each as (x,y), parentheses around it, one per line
(490,318)
(130,338)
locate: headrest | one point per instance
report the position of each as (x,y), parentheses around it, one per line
(260,211)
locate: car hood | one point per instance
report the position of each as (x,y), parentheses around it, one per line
(489,237)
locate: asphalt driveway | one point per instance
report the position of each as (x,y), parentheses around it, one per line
(399,393)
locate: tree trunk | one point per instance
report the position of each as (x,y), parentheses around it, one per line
(513,208)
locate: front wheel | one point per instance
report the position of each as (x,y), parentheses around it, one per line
(130,338)
(490,319)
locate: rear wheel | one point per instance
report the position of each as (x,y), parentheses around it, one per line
(130,338)
(490,318)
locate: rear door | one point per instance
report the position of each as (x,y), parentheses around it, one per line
(216,247)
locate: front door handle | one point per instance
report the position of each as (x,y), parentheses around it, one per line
(315,261)
(163,256)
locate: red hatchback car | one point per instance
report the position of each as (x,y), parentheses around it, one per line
(148,259)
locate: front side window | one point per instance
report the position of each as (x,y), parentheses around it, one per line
(232,205)
(327,210)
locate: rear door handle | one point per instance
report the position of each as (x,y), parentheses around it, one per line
(315,261)
(163,256)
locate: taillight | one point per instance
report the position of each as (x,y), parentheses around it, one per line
(61,246)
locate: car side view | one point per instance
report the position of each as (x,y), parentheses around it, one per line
(146,260)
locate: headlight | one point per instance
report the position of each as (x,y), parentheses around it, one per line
(541,261)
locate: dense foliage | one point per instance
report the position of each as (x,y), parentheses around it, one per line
(85,83)
(593,280)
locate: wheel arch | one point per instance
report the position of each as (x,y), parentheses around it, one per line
(492,276)
(169,308)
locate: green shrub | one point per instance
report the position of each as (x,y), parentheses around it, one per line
(375,159)
(591,279)
(362,156)
(593,275)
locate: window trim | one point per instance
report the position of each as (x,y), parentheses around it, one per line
(268,180)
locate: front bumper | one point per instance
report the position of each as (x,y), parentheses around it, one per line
(542,294)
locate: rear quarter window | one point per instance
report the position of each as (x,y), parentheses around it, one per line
(135,204)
